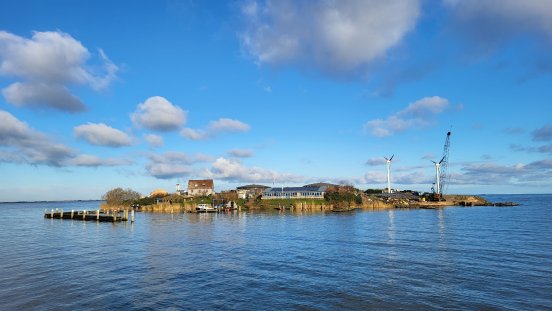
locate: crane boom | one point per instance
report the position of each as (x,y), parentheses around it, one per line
(444,164)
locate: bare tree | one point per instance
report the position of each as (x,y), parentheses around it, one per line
(120,196)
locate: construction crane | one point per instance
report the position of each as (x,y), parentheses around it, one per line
(443,177)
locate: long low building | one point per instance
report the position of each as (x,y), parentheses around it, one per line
(294,193)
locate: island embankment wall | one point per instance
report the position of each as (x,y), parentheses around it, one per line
(317,205)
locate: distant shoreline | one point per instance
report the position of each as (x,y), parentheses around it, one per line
(53,201)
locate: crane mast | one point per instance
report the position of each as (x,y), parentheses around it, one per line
(444,165)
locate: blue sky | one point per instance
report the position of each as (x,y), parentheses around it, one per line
(144,94)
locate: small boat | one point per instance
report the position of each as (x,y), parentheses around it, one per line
(205,208)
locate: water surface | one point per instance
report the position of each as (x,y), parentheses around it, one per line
(452,258)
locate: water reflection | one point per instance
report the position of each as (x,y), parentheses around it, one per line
(441,218)
(391,236)
(391,232)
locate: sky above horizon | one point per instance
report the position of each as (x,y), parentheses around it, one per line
(145,94)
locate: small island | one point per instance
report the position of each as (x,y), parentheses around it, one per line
(201,197)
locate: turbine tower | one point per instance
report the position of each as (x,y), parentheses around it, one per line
(388,161)
(437,175)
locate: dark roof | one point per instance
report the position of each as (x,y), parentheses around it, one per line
(246,187)
(202,184)
(320,184)
(296,189)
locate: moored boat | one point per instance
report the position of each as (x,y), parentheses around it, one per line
(205,208)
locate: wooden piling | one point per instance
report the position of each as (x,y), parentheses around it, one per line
(72,213)
(132,216)
(52,213)
(84,215)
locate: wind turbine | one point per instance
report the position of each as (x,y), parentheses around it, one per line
(437,173)
(388,172)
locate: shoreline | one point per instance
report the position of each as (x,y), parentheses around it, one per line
(369,202)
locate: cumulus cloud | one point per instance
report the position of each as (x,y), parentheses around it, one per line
(101,134)
(214,128)
(173,164)
(21,144)
(234,170)
(240,153)
(154,140)
(418,114)
(158,114)
(26,145)
(39,94)
(343,37)
(45,66)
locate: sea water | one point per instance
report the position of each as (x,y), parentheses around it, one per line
(451,258)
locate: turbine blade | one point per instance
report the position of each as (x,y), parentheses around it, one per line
(442,160)
(386,159)
(392,157)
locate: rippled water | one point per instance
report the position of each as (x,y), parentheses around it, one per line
(453,258)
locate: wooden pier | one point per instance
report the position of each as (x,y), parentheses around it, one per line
(94,215)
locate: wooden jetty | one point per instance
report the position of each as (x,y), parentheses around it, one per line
(94,215)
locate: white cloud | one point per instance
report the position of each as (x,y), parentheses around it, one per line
(418,114)
(194,134)
(488,173)
(46,65)
(168,171)
(331,36)
(173,164)
(26,145)
(21,144)
(154,140)
(240,153)
(227,125)
(94,161)
(375,161)
(234,170)
(158,114)
(214,128)
(101,134)
(380,177)
(39,94)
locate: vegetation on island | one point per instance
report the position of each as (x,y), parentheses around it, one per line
(336,198)
(339,195)
(120,196)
